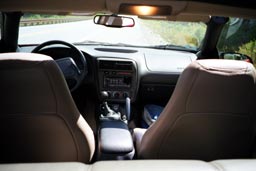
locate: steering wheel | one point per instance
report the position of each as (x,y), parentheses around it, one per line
(72,73)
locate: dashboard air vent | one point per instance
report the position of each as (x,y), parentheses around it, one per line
(115,65)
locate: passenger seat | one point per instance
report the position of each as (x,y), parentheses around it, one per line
(209,116)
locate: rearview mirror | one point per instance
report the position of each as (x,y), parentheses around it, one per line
(114,21)
(236,56)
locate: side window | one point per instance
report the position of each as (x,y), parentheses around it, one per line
(238,40)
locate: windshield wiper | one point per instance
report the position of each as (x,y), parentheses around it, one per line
(165,47)
(175,47)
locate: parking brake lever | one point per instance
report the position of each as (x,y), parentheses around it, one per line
(128,108)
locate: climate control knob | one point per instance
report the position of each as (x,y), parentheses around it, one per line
(117,95)
(125,94)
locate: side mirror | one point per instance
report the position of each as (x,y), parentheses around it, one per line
(236,56)
(114,21)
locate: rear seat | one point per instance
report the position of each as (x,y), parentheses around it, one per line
(138,165)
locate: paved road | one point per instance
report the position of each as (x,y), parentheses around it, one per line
(86,30)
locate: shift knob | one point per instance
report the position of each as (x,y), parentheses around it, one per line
(104,95)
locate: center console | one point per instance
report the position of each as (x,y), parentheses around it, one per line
(117,80)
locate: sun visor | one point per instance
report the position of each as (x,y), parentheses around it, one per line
(146,7)
(53,6)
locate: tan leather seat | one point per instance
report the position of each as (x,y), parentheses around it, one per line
(39,121)
(209,116)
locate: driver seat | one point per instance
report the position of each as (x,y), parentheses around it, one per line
(39,121)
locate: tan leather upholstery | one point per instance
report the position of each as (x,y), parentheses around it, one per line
(138,165)
(209,115)
(60,166)
(39,121)
(153,165)
(235,165)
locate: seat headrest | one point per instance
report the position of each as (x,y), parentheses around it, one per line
(219,85)
(21,59)
(225,66)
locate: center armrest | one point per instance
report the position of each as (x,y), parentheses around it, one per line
(115,139)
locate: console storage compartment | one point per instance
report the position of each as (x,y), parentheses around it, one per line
(115,141)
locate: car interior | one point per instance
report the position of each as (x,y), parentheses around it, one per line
(117,93)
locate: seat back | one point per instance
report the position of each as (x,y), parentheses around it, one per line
(39,121)
(209,116)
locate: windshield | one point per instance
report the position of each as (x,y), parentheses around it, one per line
(36,29)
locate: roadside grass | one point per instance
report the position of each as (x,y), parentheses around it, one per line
(44,19)
(177,33)
(29,16)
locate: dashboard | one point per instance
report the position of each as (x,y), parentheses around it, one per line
(145,74)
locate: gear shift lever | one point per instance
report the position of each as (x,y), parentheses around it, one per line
(104,96)
(108,112)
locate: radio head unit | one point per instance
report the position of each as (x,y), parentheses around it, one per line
(118,78)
